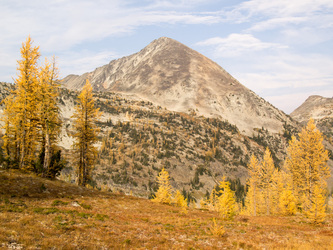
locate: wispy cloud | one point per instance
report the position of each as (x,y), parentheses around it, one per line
(62,26)
(238,44)
(283,8)
(83,61)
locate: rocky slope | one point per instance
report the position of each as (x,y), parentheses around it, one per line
(138,139)
(174,76)
(321,110)
(316,107)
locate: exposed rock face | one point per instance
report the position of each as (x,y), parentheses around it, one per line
(316,107)
(321,110)
(174,76)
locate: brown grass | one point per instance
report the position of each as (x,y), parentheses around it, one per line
(39,213)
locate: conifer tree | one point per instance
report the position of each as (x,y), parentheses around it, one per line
(180,201)
(85,133)
(267,181)
(163,194)
(253,182)
(49,114)
(315,208)
(287,202)
(226,201)
(307,163)
(31,115)
(26,93)
(10,142)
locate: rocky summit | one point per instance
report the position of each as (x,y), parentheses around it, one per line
(174,76)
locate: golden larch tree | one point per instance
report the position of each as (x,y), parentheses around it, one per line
(267,180)
(253,182)
(307,163)
(226,202)
(26,94)
(286,203)
(31,114)
(163,194)
(180,201)
(10,144)
(49,113)
(85,133)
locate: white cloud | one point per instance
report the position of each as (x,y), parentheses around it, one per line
(85,61)
(60,27)
(284,8)
(276,23)
(63,24)
(238,44)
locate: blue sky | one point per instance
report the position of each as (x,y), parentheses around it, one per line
(280,49)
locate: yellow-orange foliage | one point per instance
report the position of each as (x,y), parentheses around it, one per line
(163,194)
(307,163)
(31,115)
(85,133)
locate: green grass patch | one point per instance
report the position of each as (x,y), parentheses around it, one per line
(46,210)
(86,206)
(101,217)
(59,203)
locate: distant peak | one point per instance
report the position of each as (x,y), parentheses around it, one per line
(166,40)
(312,98)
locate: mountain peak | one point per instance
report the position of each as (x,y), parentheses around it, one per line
(172,75)
(315,106)
(167,40)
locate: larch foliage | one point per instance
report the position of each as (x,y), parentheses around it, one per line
(263,188)
(267,180)
(180,201)
(49,113)
(253,182)
(163,194)
(85,134)
(26,104)
(31,114)
(307,163)
(315,208)
(286,201)
(226,201)
(10,138)
(213,199)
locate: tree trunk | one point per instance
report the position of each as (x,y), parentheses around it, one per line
(47,156)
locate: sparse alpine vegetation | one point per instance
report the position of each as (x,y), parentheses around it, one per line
(40,213)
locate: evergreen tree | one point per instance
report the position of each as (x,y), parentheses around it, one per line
(85,134)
